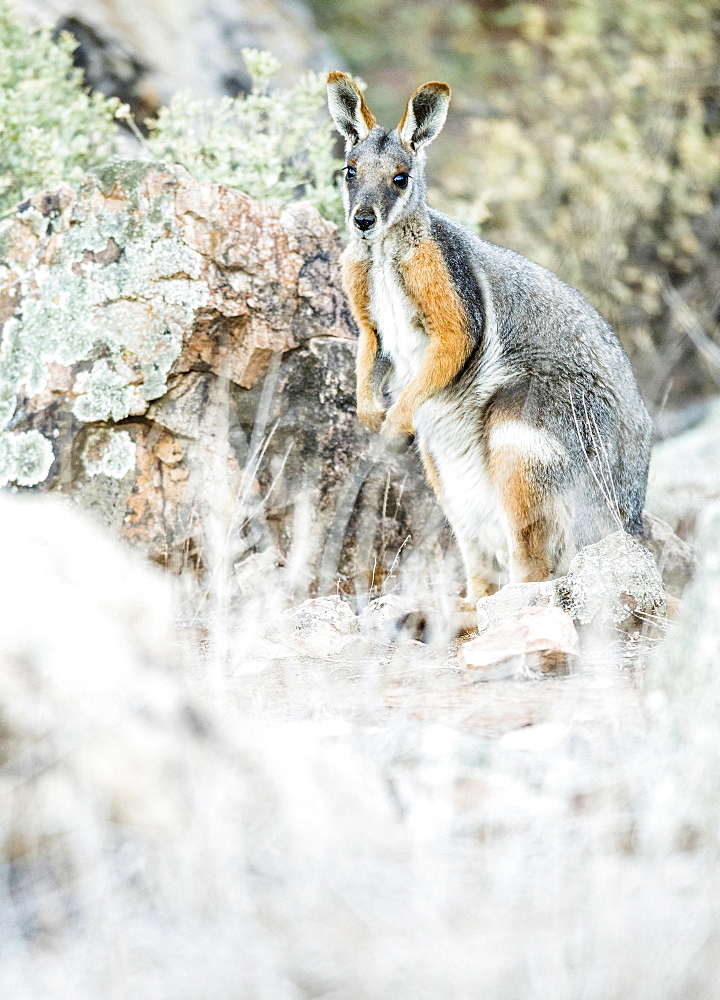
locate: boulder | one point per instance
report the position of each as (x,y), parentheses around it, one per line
(179,359)
(613,582)
(530,642)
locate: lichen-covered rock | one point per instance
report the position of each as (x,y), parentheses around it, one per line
(613,582)
(140,317)
(144,270)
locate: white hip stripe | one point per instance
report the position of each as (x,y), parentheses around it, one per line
(527,440)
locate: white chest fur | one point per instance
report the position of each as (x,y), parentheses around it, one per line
(401,333)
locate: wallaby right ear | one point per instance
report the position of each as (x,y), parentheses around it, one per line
(424,115)
(353,117)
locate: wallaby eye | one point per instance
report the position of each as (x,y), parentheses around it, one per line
(401,180)
(350,173)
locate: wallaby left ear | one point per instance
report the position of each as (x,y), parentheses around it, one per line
(353,117)
(425,115)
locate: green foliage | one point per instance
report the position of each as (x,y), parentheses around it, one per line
(51,130)
(273,145)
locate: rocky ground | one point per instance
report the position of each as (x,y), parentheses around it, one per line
(291,805)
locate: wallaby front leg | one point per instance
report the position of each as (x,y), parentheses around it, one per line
(429,286)
(368,409)
(356,282)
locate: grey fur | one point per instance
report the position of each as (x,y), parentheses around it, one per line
(539,348)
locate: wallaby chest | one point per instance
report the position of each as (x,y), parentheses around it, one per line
(396,318)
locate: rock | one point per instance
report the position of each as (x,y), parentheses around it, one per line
(613,582)
(685,473)
(531,641)
(146,53)
(179,359)
(676,559)
(323,626)
(510,598)
(319,628)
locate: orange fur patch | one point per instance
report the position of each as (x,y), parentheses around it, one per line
(524,505)
(428,283)
(356,282)
(431,472)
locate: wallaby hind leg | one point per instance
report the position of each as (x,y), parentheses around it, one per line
(527,483)
(479,570)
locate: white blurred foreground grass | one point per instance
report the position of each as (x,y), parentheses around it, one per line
(370,824)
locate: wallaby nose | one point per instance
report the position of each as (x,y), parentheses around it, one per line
(365,220)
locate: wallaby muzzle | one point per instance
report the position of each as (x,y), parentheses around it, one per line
(364,219)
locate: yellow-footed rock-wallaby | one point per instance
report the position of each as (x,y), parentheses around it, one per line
(521,400)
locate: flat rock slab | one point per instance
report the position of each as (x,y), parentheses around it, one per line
(531,641)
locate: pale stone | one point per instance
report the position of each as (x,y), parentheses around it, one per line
(530,641)
(321,627)
(613,582)
(685,472)
(512,597)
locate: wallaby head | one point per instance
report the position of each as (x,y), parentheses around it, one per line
(384,179)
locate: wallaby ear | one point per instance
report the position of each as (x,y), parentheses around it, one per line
(353,117)
(425,115)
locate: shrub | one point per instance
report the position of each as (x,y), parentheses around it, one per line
(273,145)
(51,129)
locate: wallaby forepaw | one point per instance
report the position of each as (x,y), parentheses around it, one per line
(371,418)
(397,444)
(396,436)
(398,426)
